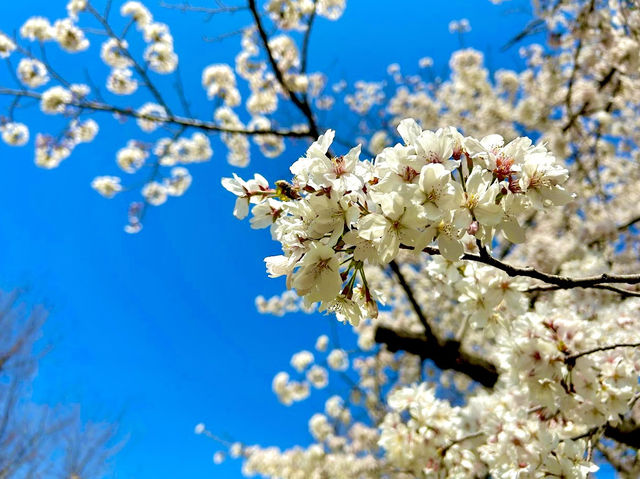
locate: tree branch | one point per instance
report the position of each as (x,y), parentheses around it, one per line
(210,11)
(448,355)
(136,66)
(177,120)
(625,293)
(302,105)
(563,282)
(571,360)
(428,332)
(307,38)
(619,229)
(627,433)
(444,354)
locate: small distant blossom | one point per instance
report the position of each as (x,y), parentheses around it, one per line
(50,153)
(219,80)
(155,33)
(184,150)
(235,450)
(155,193)
(76,6)
(322,342)
(37,28)
(80,90)
(138,12)
(14,134)
(161,58)
(459,26)
(132,157)
(318,377)
(366,96)
(157,112)
(83,131)
(338,360)
(200,428)
(6,46)
(300,361)
(113,53)
(179,181)
(135,211)
(55,100)
(69,36)
(121,82)
(393,68)
(331,9)
(32,73)
(107,186)
(425,62)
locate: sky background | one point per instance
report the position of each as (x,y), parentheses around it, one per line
(159,330)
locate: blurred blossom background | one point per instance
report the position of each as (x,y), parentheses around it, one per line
(159,331)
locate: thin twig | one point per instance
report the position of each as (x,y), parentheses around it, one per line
(185,7)
(572,358)
(307,38)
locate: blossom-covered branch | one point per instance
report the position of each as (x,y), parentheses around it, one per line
(173,119)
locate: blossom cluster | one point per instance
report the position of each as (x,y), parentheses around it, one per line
(65,31)
(288,14)
(315,372)
(340,213)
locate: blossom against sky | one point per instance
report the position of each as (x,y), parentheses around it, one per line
(160,329)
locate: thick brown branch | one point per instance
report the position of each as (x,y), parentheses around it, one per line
(448,355)
(627,433)
(445,355)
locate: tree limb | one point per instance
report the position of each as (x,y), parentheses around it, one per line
(446,354)
(177,120)
(563,282)
(302,105)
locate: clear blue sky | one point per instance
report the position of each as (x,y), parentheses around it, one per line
(161,327)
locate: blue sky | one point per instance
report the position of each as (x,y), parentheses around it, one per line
(159,329)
